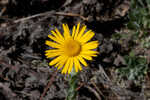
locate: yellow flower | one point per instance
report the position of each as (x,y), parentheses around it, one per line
(71,50)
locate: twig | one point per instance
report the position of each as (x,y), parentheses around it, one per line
(97,88)
(33,16)
(72,14)
(48,85)
(79,86)
(2,11)
(94,91)
(50,13)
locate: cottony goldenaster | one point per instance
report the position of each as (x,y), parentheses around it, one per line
(71,49)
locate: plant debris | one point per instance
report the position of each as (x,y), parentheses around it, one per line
(24,70)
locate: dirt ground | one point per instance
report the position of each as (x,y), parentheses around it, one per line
(24,70)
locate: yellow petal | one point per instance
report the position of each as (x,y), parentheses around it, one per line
(77,31)
(55,39)
(55,34)
(71,65)
(90,45)
(56,60)
(87,36)
(65,69)
(86,57)
(89,52)
(94,55)
(53,51)
(60,37)
(53,44)
(82,60)
(62,62)
(81,32)
(77,64)
(56,65)
(51,55)
(73,31)
(66,31)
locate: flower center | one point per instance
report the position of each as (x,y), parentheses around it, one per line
(72,47)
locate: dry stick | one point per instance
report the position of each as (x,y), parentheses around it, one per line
(95,92)
(2,11)
(72,14)
(50,12)
(48,85)
(33,16)
(80,86)
(97,88)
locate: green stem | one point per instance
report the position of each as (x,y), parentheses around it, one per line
(72,87)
